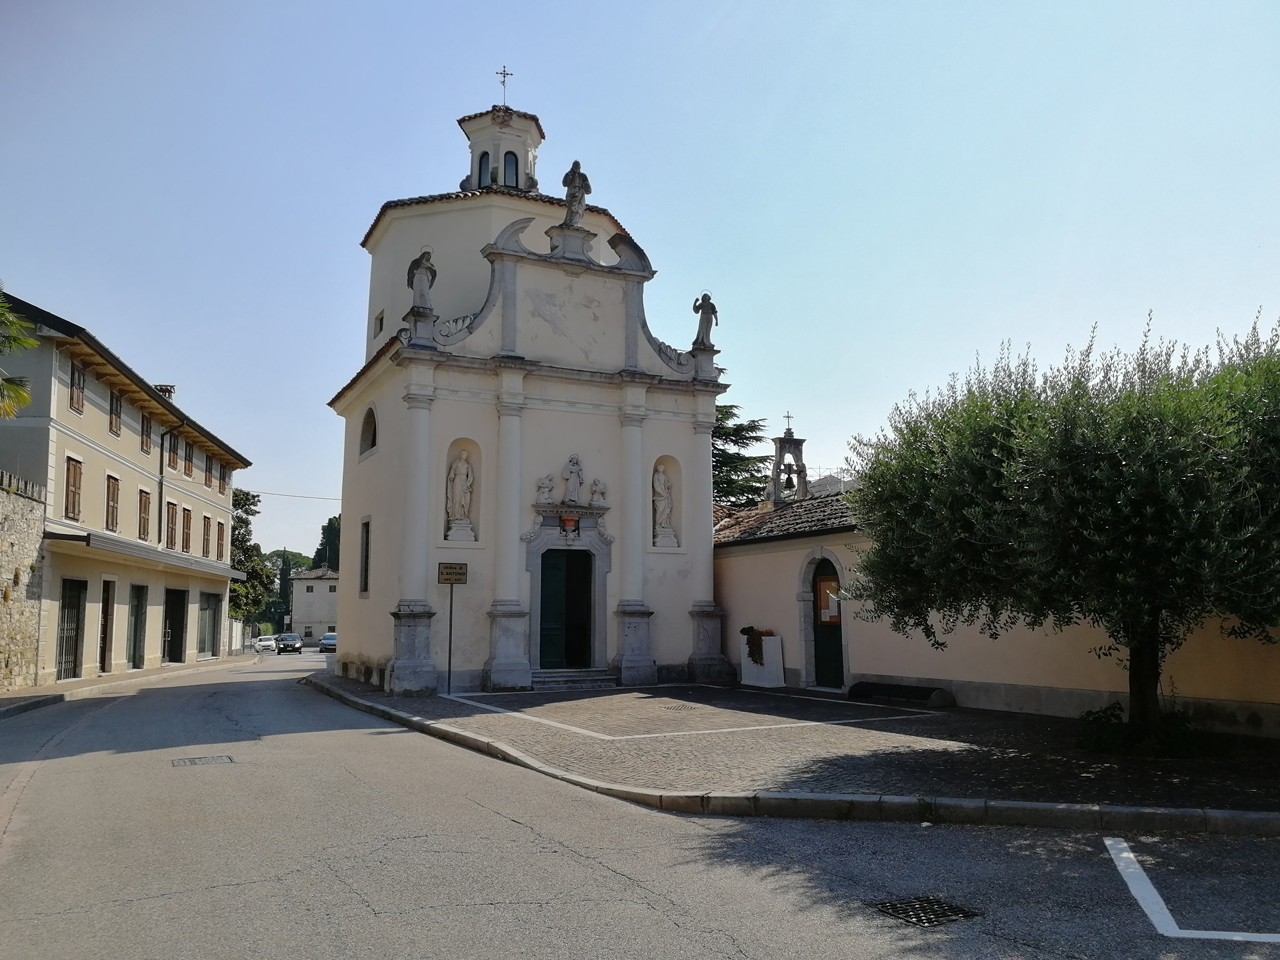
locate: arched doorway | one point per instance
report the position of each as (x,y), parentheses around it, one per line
(828,639)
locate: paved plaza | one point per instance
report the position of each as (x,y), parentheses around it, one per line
(701,738)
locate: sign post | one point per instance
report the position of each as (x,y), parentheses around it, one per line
(451,573)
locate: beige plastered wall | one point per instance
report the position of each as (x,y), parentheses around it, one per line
(1228,683)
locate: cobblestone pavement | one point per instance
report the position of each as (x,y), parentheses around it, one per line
(706,738)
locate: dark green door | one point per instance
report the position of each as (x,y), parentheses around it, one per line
(174,648)
(565,627)
(828,641)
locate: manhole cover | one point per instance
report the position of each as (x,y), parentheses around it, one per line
(201,761)
(924,911)
(679,706)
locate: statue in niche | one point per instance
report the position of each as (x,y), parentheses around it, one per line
(598,493)
(572,480)
(663,534)
(577,186)
(422,277)
(458,499)
(546,489)
(707,315)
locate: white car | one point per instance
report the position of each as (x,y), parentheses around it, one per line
(265,644)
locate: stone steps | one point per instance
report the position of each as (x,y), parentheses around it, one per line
(549,681)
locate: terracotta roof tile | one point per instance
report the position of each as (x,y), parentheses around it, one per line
(795,518)
(466,194)
(519,113)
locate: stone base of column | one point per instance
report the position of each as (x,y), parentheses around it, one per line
(708,664)
(508,666)
(635,663)
(412,672)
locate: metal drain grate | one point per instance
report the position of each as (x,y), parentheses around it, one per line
(924,911)
(679,706)
(201,761)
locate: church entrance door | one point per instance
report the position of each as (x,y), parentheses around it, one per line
(565,628)
(828,640)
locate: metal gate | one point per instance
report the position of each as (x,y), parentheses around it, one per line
(71,628)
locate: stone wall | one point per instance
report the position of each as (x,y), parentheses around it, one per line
(21,575)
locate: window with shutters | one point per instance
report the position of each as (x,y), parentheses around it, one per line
(186,530)
(71,496)
(144,434)
(222,541)
(144,515)
(206,537)
(77,388)
(171,526)
(115,413)
(222,478)
(173,452)
(208,471)
(112,519)
(189,459)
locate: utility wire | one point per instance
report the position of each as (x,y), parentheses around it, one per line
(296,496)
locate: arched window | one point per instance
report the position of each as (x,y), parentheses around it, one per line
(510,170)
(484,170)
(368,431)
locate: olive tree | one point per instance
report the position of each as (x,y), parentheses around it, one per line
(1138,493)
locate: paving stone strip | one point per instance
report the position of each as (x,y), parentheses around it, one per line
(821,806)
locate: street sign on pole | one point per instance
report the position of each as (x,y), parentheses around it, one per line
(452,574)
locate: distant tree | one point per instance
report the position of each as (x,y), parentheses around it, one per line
(15,392)
(330,538)
(738,479)
(248,595)
(1139,494)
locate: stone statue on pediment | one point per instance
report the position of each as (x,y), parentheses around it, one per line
(572,480)
(577,186)
(422,277)
(546,489)
(598,493)
(707,316)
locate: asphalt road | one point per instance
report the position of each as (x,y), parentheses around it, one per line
(336,835)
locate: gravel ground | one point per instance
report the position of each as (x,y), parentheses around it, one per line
(692,738)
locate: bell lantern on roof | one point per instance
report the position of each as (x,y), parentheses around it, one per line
(504,149)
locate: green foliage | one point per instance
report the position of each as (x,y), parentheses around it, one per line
(247,596)
(738,479)
(15,392)
(330,540)
(1136,493)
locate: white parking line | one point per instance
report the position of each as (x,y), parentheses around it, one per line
(675,733)
(1153,905)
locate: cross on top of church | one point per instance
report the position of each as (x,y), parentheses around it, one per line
(787,417)
(503,73)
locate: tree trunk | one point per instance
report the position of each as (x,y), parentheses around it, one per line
(1144,677)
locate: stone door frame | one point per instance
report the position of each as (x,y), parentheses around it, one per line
(804,596)
(550,536)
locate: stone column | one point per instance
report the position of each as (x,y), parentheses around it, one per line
(707,662)
(413,671)
(508,665)
(635,661)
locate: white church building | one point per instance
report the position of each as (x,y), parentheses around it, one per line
(514,413)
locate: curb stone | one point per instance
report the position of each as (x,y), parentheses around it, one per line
(80,693)
(849,806)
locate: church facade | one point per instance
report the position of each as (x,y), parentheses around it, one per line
(516,414)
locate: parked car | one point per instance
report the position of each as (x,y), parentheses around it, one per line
(288,643)
(329,643)
(264,644)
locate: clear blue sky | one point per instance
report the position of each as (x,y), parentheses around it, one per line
(875,192)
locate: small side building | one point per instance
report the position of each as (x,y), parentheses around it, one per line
(781,567)
(134,559)
(315,602)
